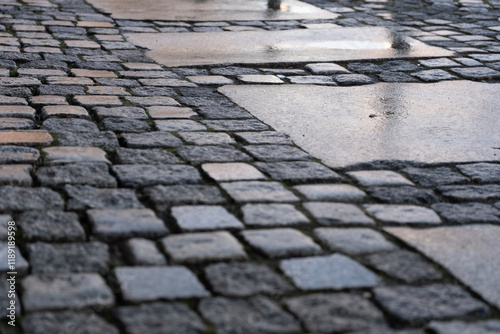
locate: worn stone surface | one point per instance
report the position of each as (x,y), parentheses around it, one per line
(337,214)
(145,156)
(18,154)
(204,217)
(51,226)
(328,272)
(272,215)
(200,154)
(105,140)
(93,174)
(483,327)
(353,241)
(331,192)
(403,214)
(16,175)
(63,291)
(404,195)
(203,247)
(150,140)
(471,192)
(232,171)
(428,177)
(258,314)
(467,213)
(258,191)
(436,301)
(143,252)
(327,313)
(154,283)
(20,199)
(112,224)
(62,322)
(149,175)
(482,172)
(62,155)
(298,171)
(379,178)
(87,197)
(175,318)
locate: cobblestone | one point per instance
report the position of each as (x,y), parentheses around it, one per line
(59,322)
(87,197)
(143,252)
(337,214)
(353,241)
(258,191)
(403,214)
(51,226)
(20,199)
(331,192)
(93,174)
(150,140)
(298,171)
(272,215)
(149,175)
(16,175)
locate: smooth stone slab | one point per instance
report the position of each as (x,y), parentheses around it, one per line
(470,253)
(280,46)
(425,123)
(214,10)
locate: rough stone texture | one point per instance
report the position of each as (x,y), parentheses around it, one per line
(467,213)
(207,138)
(232,172)
(281,242)
(125,125)
(204,217)
(257,191)
(175,318)
(203,247)
(51,226)
(70,257)
(16,175)
(482,172)
(20,199)
(339,312)
(153,283)
(258,314)
(471,192)
(143,252)
(428,177)
(105,140)
(404,265)
(353,241)
(62,155)
(87,197)
(148,175)
(298,171)
(17,154)
(150,140)
(374,178)
(264,137)
(477,73)
(337,214)
(200,154)
(112,224)
(92,174)
(63,291)
(331,192)
(403,214)
(433,75)
(436,301)
(456,326)
(57,125)
(125,112)
(272,215)
(145,157)
(245,279)
(26,138)
(328,272)
(85,322)
(276,152)
(404,195)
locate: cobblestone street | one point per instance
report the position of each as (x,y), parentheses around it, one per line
(161,183)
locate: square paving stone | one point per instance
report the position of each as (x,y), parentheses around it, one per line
(379,178)
(192,218)
(313,80)
(16,175)
(326,68)
(166,112)
(331,192)
(245,279)
(276,152)
(64,111)
(63,291)
(207,138)
(143,252)
(337,214)
(57,125)
(328,272)
(258,191)
(51,226)
(92,174)
(406,266)
(335,313)
(179,125)
(150,140)
(61,322)
(126,125)
(423,303)
(145,157)
(433,75)
(105,140)
(148,101)
(298,171)
(62,155)
(347,122)
(272,215)
(98,100)
(403,214)
(26,138)
(87,197)
(175,318)
(404,195)
(256,315)
(456,326)
(232,172)
(149,175)
(125,112)
(264,137)
(482,172)
(467,213)
(18,155)
(21,199)
(200,154)
(477,73)
(277,46)
(429,177)
(281,242)
(353,241)
(471,192)
(203,247)
(71,257)
(112,224)
(236,125)
(152,283)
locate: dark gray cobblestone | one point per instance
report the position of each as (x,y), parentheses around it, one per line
(101,243)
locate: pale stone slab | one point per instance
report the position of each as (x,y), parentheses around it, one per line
(214,10)
(257,47)
(470,253)
(428,123)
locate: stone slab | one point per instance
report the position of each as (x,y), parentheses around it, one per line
(280,46)
(468,252)
(214,10)
(426,123)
